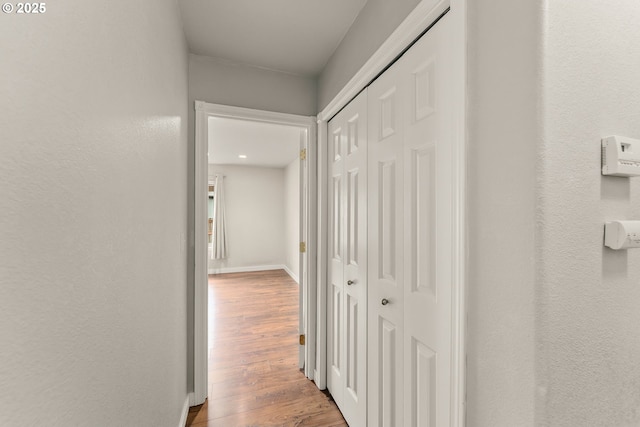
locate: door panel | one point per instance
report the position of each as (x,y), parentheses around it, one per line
(335,327)
(352,346)
(423,387)
(427,228)
(410,202)
(348,240)
(388,392)
(386,278)
(387,248)
(337,330)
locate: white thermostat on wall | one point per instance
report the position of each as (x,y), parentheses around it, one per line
(620,156)
(622,234)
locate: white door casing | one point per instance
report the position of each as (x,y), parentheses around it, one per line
(308,268)
(347,379)
(410,237)
(306,349)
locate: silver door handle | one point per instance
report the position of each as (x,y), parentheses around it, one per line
(384,301)
(350,282)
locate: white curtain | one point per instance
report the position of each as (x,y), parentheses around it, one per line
(219,241)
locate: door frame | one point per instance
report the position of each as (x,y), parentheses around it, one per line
(307,278)
(417,22)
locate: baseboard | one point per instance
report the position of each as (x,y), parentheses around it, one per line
(246,269)
(185,412)
(290,273)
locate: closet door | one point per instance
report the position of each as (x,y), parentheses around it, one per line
(386,275)
(428,176)
(347,379)
(410,237)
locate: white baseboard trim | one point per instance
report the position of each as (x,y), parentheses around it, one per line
(315,375)
(185,412)
(290,273)
(245,269)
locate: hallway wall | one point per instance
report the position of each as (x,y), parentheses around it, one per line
(590,295)
(375,23)
(223,82)
(93,116)
(503,139)
(552,313)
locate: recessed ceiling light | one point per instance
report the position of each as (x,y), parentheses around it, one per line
(242,156)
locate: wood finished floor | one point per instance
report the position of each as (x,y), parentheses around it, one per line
(254,378)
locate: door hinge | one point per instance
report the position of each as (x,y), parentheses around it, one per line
(303,247)
(301,339)
(303,154)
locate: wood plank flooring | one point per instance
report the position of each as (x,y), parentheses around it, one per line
(254,378)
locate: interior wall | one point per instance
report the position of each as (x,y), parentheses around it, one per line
(292,218)
(376,21)
(255,213)
(552,325)
(223,82)
(504,65)
(590,294)
(93,201)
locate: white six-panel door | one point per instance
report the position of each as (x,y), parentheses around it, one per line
(347,343)
(386,272)
(390,243)
(410,234)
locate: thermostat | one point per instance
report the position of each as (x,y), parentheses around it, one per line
(620,156)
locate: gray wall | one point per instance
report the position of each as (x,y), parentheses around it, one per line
(553,314)
(589,295)
(376,21)
(255,216)
(503,128)
(292,218)
(93,119)
(222,82)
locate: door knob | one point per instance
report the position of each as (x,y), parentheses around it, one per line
(350,282)
(384,301)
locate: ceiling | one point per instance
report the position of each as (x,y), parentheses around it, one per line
(264,144)
(294,36)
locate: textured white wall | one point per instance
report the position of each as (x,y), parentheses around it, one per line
(292,216)
(376,21)
(589,295)
(553,314)
(255,212)
(93,166)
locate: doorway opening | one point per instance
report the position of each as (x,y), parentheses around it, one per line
(256,167)
(261,170)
